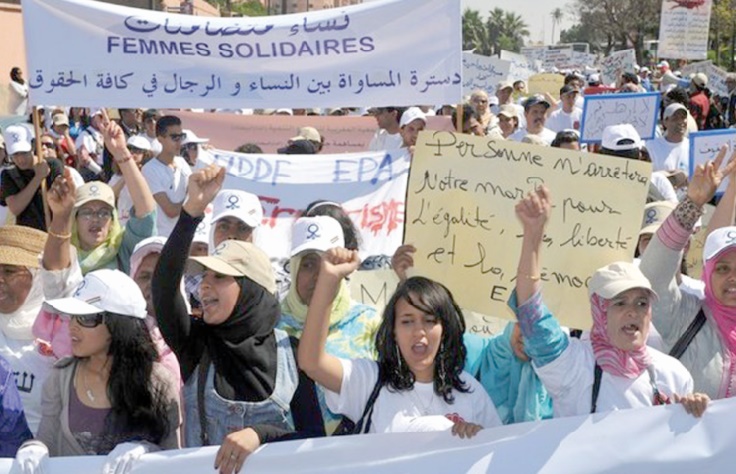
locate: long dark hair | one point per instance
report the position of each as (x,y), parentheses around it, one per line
(432,298)
(138,405)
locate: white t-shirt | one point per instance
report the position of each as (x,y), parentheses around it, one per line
(155,144)
(569,380)
(664,186)
(30,369)
(560,120)
(93,142)
(398,412)
(125,201)
(668,156)
(546,134)
(382,140)
(170,180)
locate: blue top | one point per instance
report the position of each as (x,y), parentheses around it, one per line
(14,430)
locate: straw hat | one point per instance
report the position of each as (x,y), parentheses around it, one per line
(21,245)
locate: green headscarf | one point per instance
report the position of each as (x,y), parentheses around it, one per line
(104,254)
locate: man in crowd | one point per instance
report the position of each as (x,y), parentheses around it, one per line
(167,174)
(312,135)
(568,116)
(412,122)
(699,101)
(671,151)
(90,147)
(508,120)
(149,119)
(535,112)
(387,137)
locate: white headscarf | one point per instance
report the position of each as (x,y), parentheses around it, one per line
(19,324)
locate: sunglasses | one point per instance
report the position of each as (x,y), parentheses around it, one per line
(47,144)
(87,320)
(177,137)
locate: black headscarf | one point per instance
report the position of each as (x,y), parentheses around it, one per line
(243,348)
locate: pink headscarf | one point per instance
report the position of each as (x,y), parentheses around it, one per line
(611,359)
(724,316)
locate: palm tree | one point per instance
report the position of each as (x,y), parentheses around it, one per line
(515,29)
(472,29)
(556,20)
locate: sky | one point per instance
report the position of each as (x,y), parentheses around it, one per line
(536,14)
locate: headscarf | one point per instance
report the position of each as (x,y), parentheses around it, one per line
(611,359)
(243,348)
(104,254)
(294,306)
(19,323)
(724,316)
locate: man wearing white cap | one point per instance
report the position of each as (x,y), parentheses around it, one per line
(672,150)
(20,185)
(412,122)
(190,146)
(310,134)
(699,102)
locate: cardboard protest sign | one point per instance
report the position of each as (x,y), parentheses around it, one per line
(483,72)
(704,146)
(694,257)
(617,63)
(600,111)
(373,287)
(521,67)
(546,82)
(683,29)
(119,56)
(716,75)
(460,216)
(559,58)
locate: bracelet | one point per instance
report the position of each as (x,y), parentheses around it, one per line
(531,277)
(60,236)
(124,160)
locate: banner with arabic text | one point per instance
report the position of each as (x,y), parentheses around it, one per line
(389,52)
(684,28)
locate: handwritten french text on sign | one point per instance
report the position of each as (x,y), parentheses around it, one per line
(617,63)
(684,28)
(373,287)
(683,445)
(546,82)
(521,66)
(716,75)
(460,216)
(121,56)
(370,186)
(704,146)
(600,111)
(483,72)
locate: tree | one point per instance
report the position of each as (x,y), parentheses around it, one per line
(501,30)
(557,16)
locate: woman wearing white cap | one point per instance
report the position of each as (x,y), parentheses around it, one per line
(612,370)
(111,397)
(700,332)
(242,385)
(352,325)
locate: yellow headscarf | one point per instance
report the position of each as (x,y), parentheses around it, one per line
(105,253)
(294,306)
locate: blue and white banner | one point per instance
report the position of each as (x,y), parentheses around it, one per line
(398,52)
(370,186)
(642,441)
(638,109)
(483,72)
(704,147)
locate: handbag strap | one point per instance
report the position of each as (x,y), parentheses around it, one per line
(597,375)
(368,411)
(202,369)
(687,337)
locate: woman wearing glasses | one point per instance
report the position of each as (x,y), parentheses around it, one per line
(111,397)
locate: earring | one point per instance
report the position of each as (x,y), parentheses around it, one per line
(441,371)
(398,358)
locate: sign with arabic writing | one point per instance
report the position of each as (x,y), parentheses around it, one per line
(117,56)
(716,75)
(460,216)
(684,28)
(617,63)
(704,147)
(483,72)
(521,66)
(371,186)
(638,109)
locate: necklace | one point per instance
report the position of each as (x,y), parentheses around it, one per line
(88,391)
(424,409)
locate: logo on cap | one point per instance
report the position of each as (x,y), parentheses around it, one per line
(94,190)
(651,216)
(200,228)
(730,237)
(80,288)
(15,136)
(312,231)
(220,248)
(233,201)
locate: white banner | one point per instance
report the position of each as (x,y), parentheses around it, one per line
(716,75)
(640,441)
(638,109)
(704,146)
(617,63)
(483,72)
(521,66)
(117,56)
(371,186)
(558,59)
(684,28)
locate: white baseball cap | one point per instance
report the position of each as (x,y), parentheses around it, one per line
(143,249)
(718,241)
(654,215)
(191,137)
(202,233)
(616,278)
(411,114)
(319,234)
(239,204)
(17,140)
(621,137)
(672,108)
(137,141)
(103,291)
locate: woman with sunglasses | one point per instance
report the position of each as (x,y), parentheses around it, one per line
(111,397)
(242,384)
